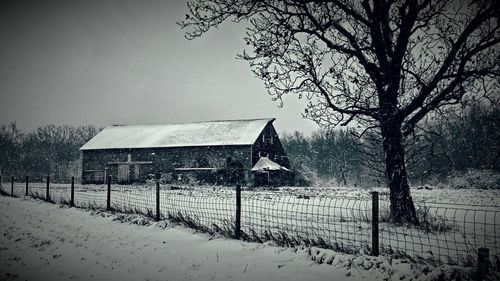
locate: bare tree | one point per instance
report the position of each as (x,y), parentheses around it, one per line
(53,150)
(10,139)
(384,64)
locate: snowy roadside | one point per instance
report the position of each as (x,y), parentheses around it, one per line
(41,241)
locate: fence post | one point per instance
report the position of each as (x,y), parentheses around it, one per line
(375,217)
(11,186)
(237,223)
(483,263)
(47,194)
(72,196)
(108,199)
(27,184)
(157,199)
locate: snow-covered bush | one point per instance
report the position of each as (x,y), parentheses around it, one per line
(474,179)
(304,176)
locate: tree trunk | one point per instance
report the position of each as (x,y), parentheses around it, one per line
(402,207)
(344,177)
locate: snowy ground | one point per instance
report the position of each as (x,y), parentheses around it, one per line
(43,241)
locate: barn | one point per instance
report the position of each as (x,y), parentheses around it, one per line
(213,152)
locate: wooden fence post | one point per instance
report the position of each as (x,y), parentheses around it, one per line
(483,263)
(108,199)
(27,185)
(72,196)
(47,194)
(375,218)
(11,186)
(237,223)
(157,199)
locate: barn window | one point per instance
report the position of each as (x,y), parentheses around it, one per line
(94,176)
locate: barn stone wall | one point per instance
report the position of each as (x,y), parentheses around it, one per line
(142,163)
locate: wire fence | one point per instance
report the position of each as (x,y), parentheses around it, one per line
(339,223)
(447,233)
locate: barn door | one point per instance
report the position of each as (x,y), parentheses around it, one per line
(137,173)
(123,173)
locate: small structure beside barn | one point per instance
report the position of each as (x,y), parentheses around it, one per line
(216,152)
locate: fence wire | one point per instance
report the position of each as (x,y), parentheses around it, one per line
(447,233)
(19,189)
(91,196)
(134,198)
(450,233)
(59,193)
(209,209)
(337,223)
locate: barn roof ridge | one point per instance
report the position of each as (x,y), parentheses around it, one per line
(203,133)
(271,119)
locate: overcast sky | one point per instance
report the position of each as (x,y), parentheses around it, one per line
(106,62)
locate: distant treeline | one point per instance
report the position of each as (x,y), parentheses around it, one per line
(46,151)
(452,144)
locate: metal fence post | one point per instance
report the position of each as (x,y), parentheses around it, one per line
(47,194)
(108,199)
(72,196)
(158,200)
(27,184)
(11,186)
(237,223)
(375,218)
(483,263)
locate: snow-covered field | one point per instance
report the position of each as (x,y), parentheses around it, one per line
(458,222)
(41,241)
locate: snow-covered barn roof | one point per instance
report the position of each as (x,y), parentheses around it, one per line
(212,133)
(266,164)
